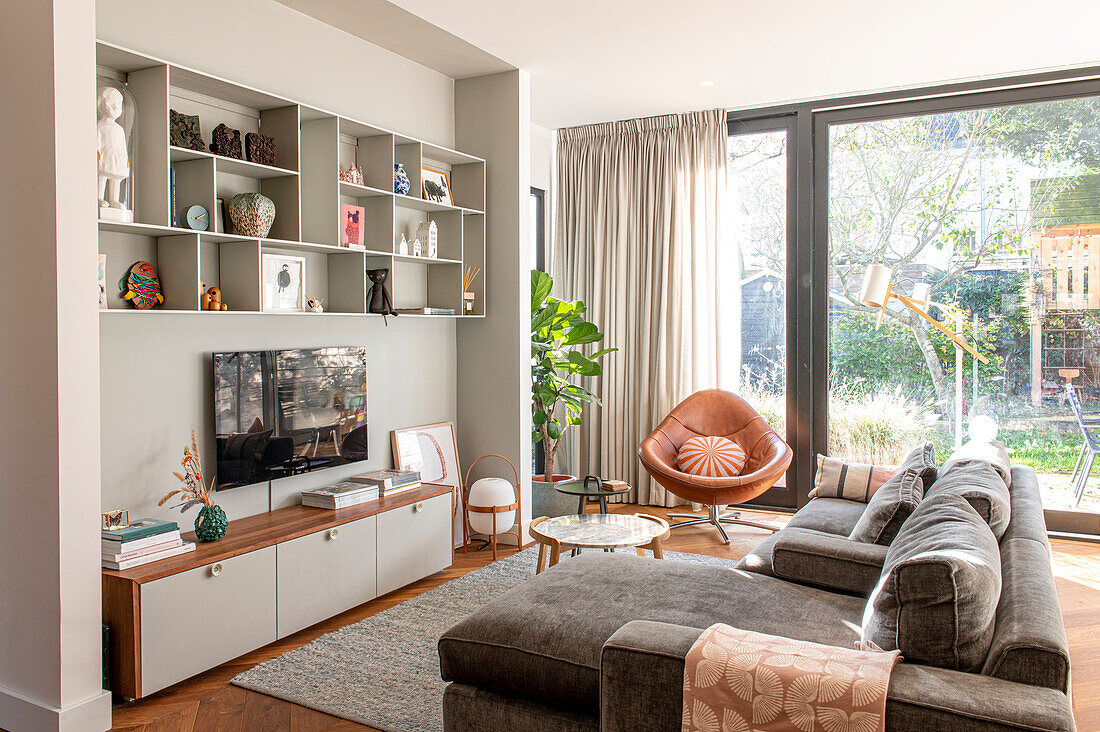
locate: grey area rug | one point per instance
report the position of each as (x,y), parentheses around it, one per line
(384,670)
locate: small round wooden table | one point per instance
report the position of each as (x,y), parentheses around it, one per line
(607,531)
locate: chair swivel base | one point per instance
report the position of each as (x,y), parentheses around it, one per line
(716,518)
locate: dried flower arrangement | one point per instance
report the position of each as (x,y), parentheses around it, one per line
(194,490)
(211,523)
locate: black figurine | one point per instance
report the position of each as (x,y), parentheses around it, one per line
(380,299)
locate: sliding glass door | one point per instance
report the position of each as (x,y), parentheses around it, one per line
(988,216)
(753,339)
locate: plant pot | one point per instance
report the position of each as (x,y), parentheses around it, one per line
(211,523)
(545,501)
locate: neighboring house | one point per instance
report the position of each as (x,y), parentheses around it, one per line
(763,330)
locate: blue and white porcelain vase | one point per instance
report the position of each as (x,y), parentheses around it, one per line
(401,182)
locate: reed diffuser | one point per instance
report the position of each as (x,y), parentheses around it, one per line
(468,276)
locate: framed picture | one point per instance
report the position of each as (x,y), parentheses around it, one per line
(436,185)
(284,283)
(219,216)
(353,221)
(432,450)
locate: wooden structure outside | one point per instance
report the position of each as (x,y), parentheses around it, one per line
(1064,265)
(1069,270)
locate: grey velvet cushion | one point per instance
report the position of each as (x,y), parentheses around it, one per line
(923,460)
(937,600)
(827,560)
(542,640)
(826,515)
(889,508)
(983,488)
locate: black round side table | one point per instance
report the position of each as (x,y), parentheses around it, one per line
(592,487)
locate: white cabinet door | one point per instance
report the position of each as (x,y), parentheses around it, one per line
(325,573)
(413,542)
(205,616)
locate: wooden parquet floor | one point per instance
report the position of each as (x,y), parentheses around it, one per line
(209,703)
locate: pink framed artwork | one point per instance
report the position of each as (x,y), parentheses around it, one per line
(353,221)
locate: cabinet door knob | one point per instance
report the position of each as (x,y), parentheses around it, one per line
(216,569)
(418,507)
(333,533)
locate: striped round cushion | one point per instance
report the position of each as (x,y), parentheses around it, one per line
(716,457)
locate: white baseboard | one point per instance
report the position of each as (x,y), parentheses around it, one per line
(22,714)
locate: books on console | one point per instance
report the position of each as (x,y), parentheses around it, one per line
(390,481)
(340,495)
(178,547)
(143,541)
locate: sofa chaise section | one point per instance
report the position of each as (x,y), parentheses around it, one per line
(542,641)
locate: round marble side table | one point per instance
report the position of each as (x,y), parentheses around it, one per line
(607,531)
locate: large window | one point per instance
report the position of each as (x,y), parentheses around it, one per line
(991,211)
(982,199)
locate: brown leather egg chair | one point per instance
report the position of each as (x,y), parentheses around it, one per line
(716,412)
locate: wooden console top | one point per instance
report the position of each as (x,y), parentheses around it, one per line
(266,529)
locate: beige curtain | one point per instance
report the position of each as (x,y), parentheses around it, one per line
(639,209)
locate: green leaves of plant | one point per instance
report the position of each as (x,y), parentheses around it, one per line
(583,332)
(581,364)
(558,333)
(541,284)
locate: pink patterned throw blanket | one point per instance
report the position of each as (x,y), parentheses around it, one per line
(741,681)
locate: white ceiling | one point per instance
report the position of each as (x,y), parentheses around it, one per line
(601,60)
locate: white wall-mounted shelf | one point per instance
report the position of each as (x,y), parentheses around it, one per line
(311,145)
(231,166)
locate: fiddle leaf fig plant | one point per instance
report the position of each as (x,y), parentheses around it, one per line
(559,334)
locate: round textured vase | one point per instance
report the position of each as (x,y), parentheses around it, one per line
(401,182)
(252,214)
(211,523)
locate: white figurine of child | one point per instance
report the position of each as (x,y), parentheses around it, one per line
(114,160)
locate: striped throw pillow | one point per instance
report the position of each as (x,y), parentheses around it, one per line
(714,457)
(850,481)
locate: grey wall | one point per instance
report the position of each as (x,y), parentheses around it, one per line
(156,386)
(49,534)
(492,120)
(155,368)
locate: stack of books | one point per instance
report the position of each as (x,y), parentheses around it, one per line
(340,495)
(143,541)
(390,481)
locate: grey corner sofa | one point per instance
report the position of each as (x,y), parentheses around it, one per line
(598,642)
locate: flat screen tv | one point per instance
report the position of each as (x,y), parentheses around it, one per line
(282,413)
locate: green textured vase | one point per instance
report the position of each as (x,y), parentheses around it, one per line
(211,523)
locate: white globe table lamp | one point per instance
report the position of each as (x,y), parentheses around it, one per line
(492,507)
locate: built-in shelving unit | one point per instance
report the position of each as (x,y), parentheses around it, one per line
(312,145)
